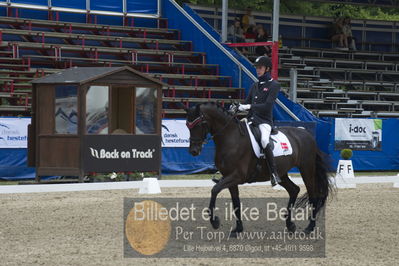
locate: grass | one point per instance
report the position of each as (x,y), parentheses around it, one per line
(376,173)
(6,182)
(193,176)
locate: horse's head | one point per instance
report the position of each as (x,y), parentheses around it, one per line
(199,129)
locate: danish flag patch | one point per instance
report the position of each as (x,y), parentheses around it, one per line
(284,146)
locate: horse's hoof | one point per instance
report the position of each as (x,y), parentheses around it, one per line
(239,228)
(215,180)
(233,234)
(308,230)
(215,222)
(291,228)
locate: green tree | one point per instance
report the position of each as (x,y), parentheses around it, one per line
(309,8)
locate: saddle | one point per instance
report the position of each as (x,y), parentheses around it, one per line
(279,144)
(257,172)
(278,140)
(256,132)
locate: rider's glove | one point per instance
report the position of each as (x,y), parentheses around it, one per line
(233,108)
(244,107)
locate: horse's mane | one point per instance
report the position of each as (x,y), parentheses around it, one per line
(217,105)
(229,115)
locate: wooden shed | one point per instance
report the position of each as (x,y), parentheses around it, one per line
(95,119)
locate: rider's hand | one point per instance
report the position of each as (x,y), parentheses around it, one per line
(244,107)
(233,108)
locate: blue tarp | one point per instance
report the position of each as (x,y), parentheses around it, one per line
(180,161)
(323,127)
(13,165)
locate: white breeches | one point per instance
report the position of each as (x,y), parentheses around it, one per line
(265,130)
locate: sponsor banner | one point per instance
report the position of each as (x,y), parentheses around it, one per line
(14,132)
(358,134)
(121,153)
(175,133)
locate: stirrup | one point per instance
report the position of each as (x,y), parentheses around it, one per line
(262,155)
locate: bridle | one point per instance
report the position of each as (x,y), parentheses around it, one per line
(201,121)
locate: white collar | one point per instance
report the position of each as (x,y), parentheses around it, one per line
(262,82)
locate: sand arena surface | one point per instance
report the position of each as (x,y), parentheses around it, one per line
(86,228)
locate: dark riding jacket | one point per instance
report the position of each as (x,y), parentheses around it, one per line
(261,97)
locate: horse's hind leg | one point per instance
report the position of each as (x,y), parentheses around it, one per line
(235,198)
(293,191)
(309,178)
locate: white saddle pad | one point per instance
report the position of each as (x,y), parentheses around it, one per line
(282,146)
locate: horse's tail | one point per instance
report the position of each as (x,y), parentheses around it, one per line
(323,187)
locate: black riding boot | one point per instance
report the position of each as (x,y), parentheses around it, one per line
(274,178)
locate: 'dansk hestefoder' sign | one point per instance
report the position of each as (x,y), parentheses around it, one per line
(113,153)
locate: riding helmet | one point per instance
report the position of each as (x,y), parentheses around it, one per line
(263,61)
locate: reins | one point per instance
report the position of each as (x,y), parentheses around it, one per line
(200,120)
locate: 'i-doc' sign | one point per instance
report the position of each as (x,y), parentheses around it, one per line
(121,153)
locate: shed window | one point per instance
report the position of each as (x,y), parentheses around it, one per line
(97,110)
(146,110)
(66,110)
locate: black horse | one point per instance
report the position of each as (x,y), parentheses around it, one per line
(236,161)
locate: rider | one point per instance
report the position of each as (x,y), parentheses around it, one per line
(259,103)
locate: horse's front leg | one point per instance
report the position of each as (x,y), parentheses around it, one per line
(235,198)
(226,182)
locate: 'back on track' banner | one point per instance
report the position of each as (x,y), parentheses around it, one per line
(13,132)
(358,134)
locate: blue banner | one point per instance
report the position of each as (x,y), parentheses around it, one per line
(145,7)
(78,4)
(31,2)
(106,5)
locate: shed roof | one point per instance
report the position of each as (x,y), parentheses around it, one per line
(81,75)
